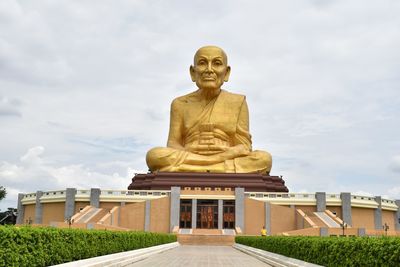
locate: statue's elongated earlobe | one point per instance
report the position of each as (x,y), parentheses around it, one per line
(228,72)
(192,75)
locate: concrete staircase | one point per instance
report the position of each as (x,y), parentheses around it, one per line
(207,232)
(89,215)
(206,237)
(324,219)
(327,219)
(315,219)
(93,218)
(312,223)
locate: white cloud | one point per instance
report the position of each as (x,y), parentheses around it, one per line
(394,192)
(10,171)
(34,172)
(9,107)
(32,157)
(395,164)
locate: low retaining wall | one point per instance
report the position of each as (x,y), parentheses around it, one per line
(120,259)
(272,258)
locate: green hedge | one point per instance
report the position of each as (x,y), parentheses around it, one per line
(331,251)
(27,246)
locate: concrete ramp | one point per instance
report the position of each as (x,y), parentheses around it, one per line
(315,219)
(327,220)
(81,213)
(84,218)
(320,219)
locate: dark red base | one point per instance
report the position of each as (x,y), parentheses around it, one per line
(251,182)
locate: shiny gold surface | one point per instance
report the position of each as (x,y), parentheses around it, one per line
(209,128)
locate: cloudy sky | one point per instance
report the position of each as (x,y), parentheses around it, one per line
(86,86)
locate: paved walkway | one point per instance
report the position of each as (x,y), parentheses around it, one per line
(189,256)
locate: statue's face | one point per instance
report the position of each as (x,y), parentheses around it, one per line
(210,69)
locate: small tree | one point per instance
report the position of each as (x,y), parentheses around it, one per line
(9,216)
(3,192)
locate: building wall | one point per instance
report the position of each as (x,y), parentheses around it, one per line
(109,205)
(254,216)
(79,205)
(304,232)
(339,231)
(363,218)
(208,192)
(132,216)
(302,220)
(336,209)
(299,220)
(282,219)
(29,213)
(159,215)
(53,212)
(307,208)
(388,218)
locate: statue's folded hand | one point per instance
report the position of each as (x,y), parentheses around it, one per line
(206,149)
(223,152)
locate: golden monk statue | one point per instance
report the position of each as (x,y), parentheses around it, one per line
(209,128)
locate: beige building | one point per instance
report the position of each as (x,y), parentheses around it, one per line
(227,210)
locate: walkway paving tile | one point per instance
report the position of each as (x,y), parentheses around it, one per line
(189,256)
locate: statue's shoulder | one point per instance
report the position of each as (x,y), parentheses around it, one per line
(191,97)
(232,96)
(195,97)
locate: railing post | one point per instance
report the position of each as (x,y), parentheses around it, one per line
(321,201)
(323,231)
(20,209)
(175,206)
(220,213)
(147,216)
(69,209)
(95,197)
(194,213)
(378,213)
(239,208)
(397,216)
(38,208)
(267,207)
(346,207)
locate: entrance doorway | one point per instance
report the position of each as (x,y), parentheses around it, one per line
(185,218)
(207,214)
(229,214)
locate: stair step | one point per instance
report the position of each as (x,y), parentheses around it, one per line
(206,240)
(207,232)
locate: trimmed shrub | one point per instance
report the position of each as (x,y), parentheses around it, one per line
(331,251)
(27,246)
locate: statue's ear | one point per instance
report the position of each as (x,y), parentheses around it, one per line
(228,72)
(192,74)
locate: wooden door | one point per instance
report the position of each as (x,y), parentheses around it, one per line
(207,215)
(185,218)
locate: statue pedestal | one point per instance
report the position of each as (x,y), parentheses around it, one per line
(251,182)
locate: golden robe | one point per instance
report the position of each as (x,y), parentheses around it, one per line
(201,131)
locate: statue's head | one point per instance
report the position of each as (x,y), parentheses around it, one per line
(210,68)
